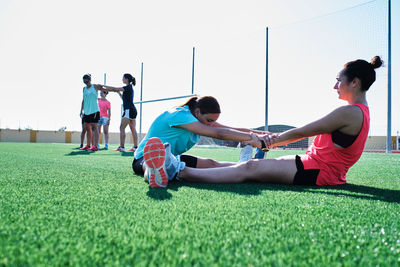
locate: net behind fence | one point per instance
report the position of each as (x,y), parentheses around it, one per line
(305,57)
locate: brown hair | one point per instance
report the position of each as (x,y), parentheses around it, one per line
(362,70)
(206,104)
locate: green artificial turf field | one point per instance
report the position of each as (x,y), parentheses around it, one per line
(60,206)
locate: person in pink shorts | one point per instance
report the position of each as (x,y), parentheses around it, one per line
(105,116)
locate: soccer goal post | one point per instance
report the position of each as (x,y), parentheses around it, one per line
(141,102)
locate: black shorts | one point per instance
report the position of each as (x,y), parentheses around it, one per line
(304,177)
(137,164)
(130,113)
(92,118)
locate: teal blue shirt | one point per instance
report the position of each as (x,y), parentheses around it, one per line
(90,104)
(181,140)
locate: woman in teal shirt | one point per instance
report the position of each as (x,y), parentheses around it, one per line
(91,113)
(181,127)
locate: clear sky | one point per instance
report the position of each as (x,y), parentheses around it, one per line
(46,46)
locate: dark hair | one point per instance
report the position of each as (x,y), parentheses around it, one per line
(87,76)
(362,70)
(206,104)
(105,93)
(130,78)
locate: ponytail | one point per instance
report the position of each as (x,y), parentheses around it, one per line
(363,70)
(191,103)
(130,78)
(206,104)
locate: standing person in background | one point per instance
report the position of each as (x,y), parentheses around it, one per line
(105,116)
(129,110)
(91,113)
(132,126)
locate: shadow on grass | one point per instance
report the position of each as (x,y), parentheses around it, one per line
(347,190)
(79,152)
(84,152)
(127,154)
(159,193)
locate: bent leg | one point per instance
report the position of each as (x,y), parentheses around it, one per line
(280,171)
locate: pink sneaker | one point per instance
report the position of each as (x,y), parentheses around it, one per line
(120,149)
(154,157)
(93,148)
(132,149)
(84,148)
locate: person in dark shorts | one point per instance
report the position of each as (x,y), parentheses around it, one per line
(91,113)
(129,111)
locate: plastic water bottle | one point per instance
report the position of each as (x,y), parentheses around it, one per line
(246,153)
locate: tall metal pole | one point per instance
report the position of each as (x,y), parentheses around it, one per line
(105,78)
(141,98)
(266,81)
(193,71)
(389,107)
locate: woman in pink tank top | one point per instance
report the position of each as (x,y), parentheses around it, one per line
(339,142)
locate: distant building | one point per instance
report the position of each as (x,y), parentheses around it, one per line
(279,128)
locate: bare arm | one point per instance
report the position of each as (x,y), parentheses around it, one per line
(100,87)
(82,104)
(216,132)
(109,116)
(81,108)
(120,95)
(245,130)
(344,118)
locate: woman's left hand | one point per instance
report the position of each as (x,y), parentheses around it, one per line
(254,141)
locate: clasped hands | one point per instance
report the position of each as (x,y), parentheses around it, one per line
(262,141)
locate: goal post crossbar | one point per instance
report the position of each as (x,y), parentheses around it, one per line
(164,99)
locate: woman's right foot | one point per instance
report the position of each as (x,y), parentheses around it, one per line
(154,157)
(106,146)
(84,148)
(120,148)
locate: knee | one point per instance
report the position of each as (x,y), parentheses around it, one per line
(249,167)
(212,163)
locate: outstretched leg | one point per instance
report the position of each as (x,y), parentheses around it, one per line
(210,163)
(280,171)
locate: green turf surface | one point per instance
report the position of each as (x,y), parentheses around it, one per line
(60,206)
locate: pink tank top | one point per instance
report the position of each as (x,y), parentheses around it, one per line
(334,162)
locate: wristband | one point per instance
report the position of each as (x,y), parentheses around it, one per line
(263,146)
